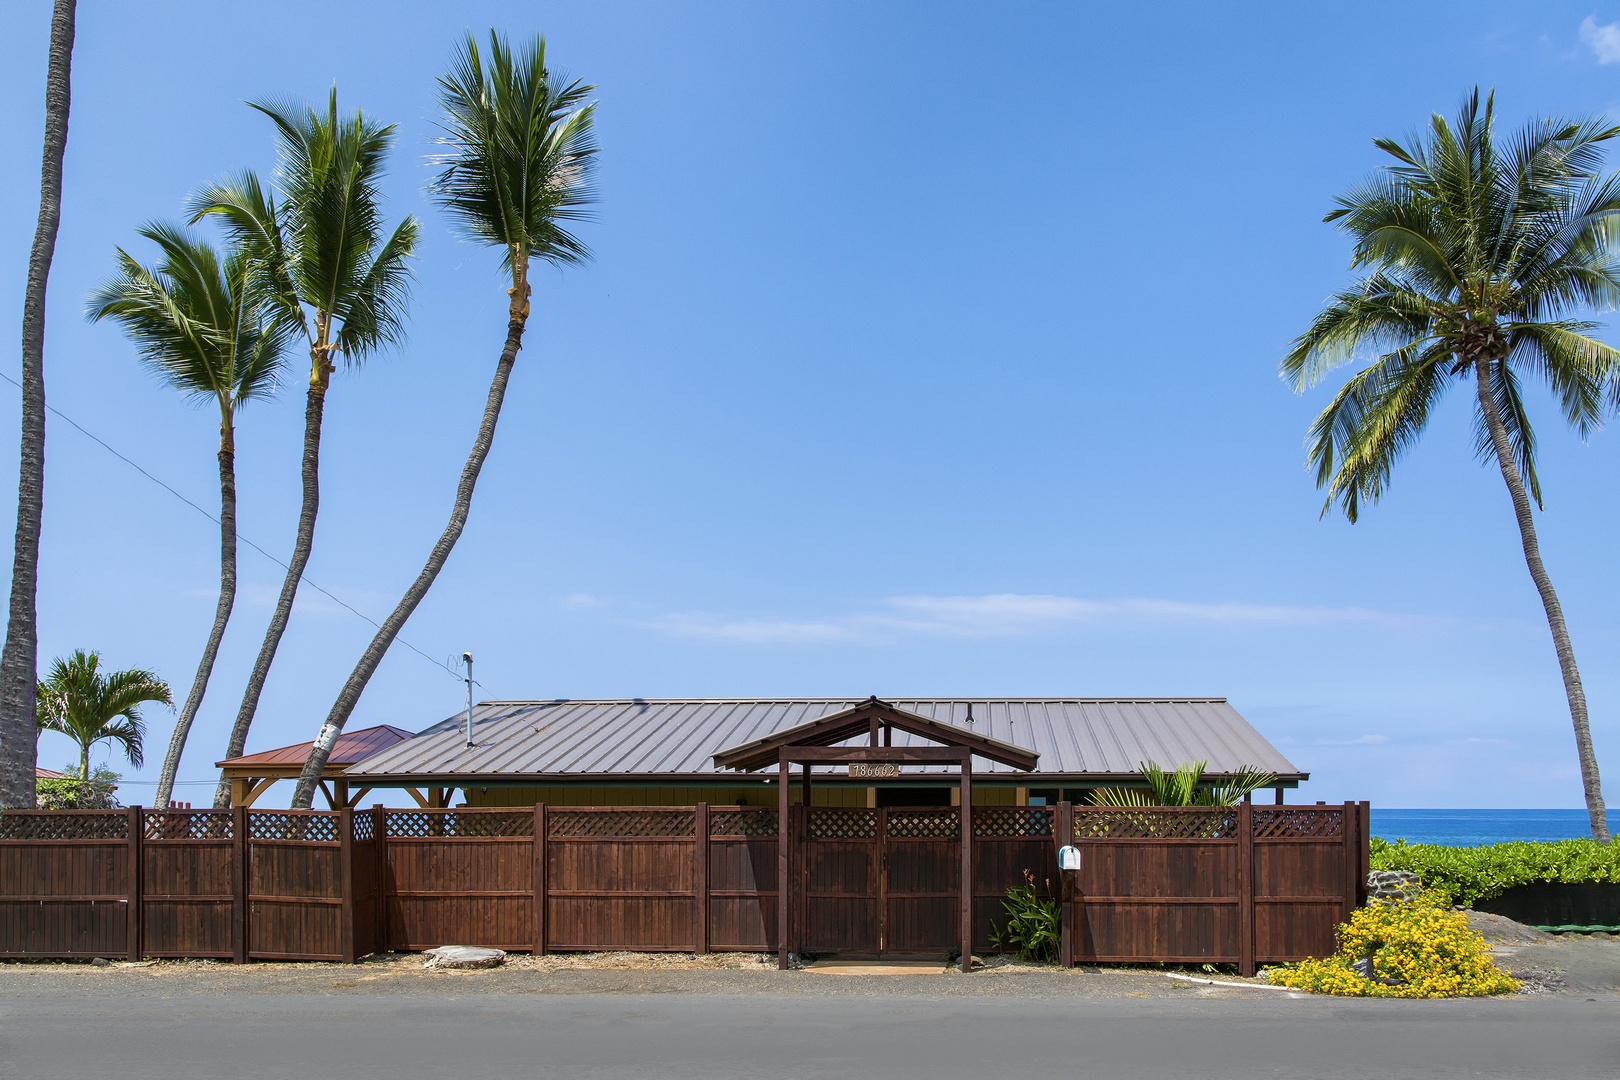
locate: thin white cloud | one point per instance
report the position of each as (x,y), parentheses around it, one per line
(1603,38)
(1002,615)
(1364,740)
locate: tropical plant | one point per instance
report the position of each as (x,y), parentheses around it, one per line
(1403,949)
(330,271)
(1477,258)
(19,659)
(1185,787)
(1034,926)
(68,792)
(1467,875)
(78,700)
(203,330)
(520,152)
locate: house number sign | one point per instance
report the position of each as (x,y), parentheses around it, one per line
(874,770)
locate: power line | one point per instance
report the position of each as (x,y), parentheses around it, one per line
(302,579)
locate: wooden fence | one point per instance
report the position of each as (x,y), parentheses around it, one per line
(1239,885)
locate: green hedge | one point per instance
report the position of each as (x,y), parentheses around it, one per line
(1467,875)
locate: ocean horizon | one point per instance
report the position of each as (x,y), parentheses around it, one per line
(1468,828)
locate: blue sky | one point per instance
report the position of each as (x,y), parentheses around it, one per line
(927,350)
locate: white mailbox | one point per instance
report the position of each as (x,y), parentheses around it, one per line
(1068,857)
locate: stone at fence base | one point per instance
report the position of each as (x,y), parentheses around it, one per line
(1393,885)
(464,956)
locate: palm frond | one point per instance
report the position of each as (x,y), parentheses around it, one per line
(520,150)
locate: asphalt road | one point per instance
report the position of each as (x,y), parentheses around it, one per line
(457,1031)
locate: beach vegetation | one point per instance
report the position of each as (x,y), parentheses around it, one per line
(1467,875)
(1402,949)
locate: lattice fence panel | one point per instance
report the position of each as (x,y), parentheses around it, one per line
(319,827)
(842,824)
(924,824)
(1000,821)
(363,829)
(742,822)
(1155,823)
(622,823)
(438,824)
(1280,822)
(33,825)
(188,825)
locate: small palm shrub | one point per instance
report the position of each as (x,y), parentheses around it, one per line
(1418,949)
(1034,927)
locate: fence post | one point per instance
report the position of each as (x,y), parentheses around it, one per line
(1350,833)
(1062,836)
(346,884)
(379,835)
(132,917)
(700,879)
(540,827)
(1364,843)
(239,873)
(1246,961)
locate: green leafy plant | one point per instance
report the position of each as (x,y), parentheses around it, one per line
(1406,949)
(68,792)
(1185,787)
(1467,875)
(1034,927)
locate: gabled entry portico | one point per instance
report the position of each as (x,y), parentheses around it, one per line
(817,743)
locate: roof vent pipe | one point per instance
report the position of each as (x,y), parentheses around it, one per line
(467,657)
(970,714)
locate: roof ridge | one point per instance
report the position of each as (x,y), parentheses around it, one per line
(833,697)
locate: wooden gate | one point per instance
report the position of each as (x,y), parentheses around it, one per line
(881,881)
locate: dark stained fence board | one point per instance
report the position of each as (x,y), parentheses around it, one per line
(65,883)
(1155,885)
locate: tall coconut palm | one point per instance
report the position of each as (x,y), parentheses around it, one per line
(200,326)
(1479,258)
(77,699)
(520,154)
(326,263)
(19,660)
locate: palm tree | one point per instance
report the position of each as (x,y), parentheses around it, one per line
(1477,259)
(202,329)
(88,707)
(1185,787)
(325,264)
(19,659)
(518,167)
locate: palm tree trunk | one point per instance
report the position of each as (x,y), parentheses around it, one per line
(356,684)
(314,409)
(222,615)
(84,768)
(1549,601)
(20,658)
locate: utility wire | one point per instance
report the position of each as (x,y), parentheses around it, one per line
(349,607)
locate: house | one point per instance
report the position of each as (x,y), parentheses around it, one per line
(662,752)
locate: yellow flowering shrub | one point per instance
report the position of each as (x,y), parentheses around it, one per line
(1430,948)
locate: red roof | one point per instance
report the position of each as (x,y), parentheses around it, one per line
(47,774)
(351,746)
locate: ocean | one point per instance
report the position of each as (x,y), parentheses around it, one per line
(1466,828)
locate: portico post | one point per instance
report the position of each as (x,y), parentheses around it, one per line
(784,890)
(966,816)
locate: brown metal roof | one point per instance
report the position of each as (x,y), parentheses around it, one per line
(47,774)
(351,747)
(641,739)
